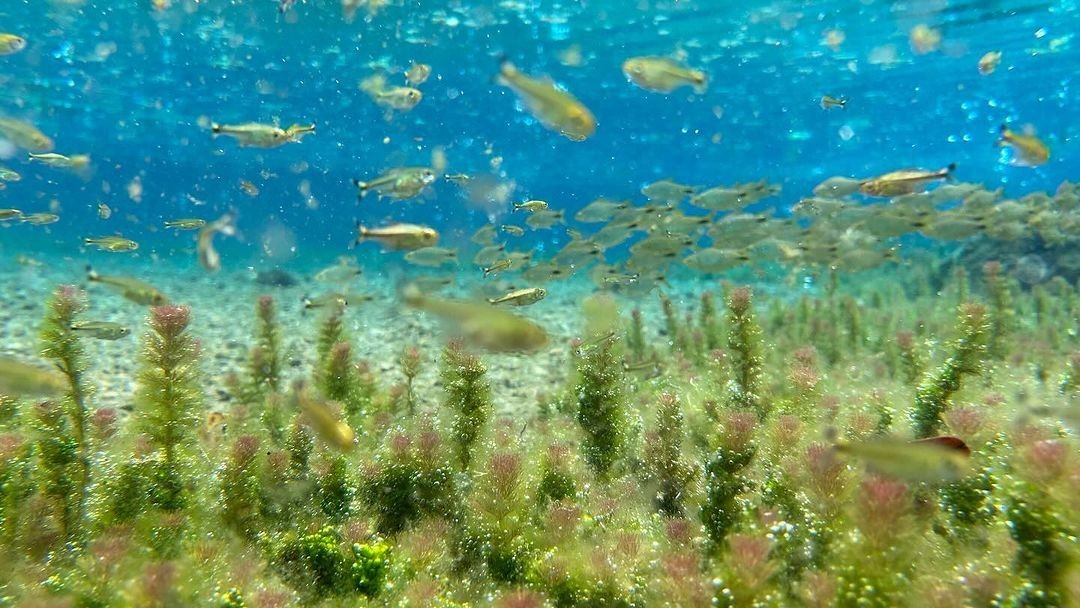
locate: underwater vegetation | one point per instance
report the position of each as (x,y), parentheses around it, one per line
(740,467)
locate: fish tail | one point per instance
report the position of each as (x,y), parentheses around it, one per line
(412,295)
(947,172)
(363,187)
(215,128)
(507,70)
(91,274)
(492,301)
(701,82)
(361,234)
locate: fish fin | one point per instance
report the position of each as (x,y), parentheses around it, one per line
(360,233)
(492,300)
(91,274)
(947,172)
(215,128)
(506,70)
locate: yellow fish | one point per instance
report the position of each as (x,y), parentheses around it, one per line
(555,108)
(905,181)
(25,135)
(489,328)
(11,44)
(18,379)
(322,416)
(133,289)
(663,75)
(112,243)
(77,162)
(1029,149)
(399,236)
(255,135)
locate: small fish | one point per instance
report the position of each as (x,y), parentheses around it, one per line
(668,191)
(532,206)
(458,178)
(485,235)
(498,267)
(401,237)
(102,330)
(325,418)
(1029,150)
(186,224)
(345,270)
(555,108)
(544,219)
(512,230)
(712,259)
(398,184)
(77,162)
(401,99)
(285,5)
(130,288)
(215,426)
(11,44)
(253,134)
(433,283)
(989,62)
(489,255)
(837,187)
(417,74)
(104,212)
(208,256)
(10,214)
(9,175)
(905,181)
(249,188)
(934,460)
(663,75)
(489,328)
(18,379)
(432,256)
(521,297)
(29,262)
(325,300)
(829,102)
(600,210)
(40,219)
(26,136)
(116,244)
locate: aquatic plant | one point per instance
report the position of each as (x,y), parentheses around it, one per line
(266,356)
(406,482)
(600,404)
(331,332)
(410,360)
(241,487)
(967,351)
(334,488)
(467,398)
(316,566)
(745,354)
(635,336)
(664,457)
(167,400)
(60,344)
(60,471)
(725,479)
(1039,557)
(708,323)
(1002,315)
(912,364)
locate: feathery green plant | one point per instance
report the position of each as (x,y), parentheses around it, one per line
(60,344)
(467,397)
(663,455)
(968,349)
(600,404)
(744,346)
(168,399)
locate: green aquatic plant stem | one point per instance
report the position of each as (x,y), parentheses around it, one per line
(744,348)
(1002,313)
(600,404)
(59,471)
(710,328)
(965,358)
(60,344)
(663,455)
(725,478)
(467,398)
(1040,555)
(635,336)
(267,363)
(410,360)
(169,397)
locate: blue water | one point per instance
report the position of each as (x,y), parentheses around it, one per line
(137,111)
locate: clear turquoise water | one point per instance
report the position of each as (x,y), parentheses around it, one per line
(129,85)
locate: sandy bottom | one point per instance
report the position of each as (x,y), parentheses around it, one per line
(224,320)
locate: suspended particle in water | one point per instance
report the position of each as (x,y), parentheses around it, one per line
(833,39)
(846,132)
